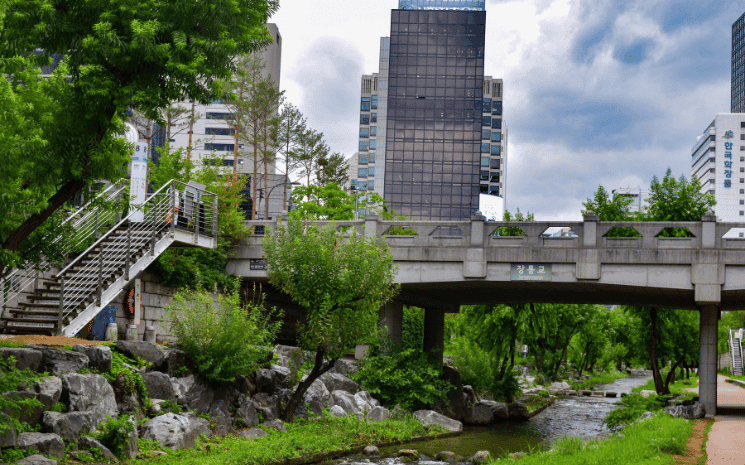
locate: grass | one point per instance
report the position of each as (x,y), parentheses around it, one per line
(677,388)
(651,441)
(332,435)
(602,378)
(703,446)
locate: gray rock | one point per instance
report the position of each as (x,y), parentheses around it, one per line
(49,390)
(69,426)
(365,401)
(480,456)
(345,367)
(689,412)
(174,361)
(9,435)
(430,417)
(130,405)
(99,356)
(268,406)
(282,376)
(131,445)
(378,414)
(253,433)
(480,414)
(266,381)
(159,385)
(145,350)
(337,382)
(81,456)
(246,415)
(90,393)
(173,431)
(499,410)
(469,396)
(698,410)
(518,412)
(25,358)
(87,442)
(58,361)
(199,426)
(371,450)
(645,415)
(222,426)
(45,443)
(33,416)
(408,454)
(37,459)
(275,425)
(346,401)
(181,387)
(337,412)
(317,397)
(447,456)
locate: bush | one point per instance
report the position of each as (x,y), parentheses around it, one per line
(632,407)
(114,434)
(412,328)
(403,377)
(130,381)
(10,380)
(223,338)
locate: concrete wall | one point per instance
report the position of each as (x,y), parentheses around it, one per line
(155,297)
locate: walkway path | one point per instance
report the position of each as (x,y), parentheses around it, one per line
(726,443)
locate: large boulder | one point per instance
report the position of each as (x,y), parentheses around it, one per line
(145,350)
(267,406)
(276,425)
(9,435)
(99,356)
(89,443)
(49,390)
(58,361)
(247,415)
(480,414)
(159,386)
(25,358)
(455,406)
(430,417)
(499,410)
(338,412)
(689,412)
(269,380)
(346,401)
(345,367)
(90,393)
(32,416)
(518,412)
(69,426)
(36,459)
(44,443)
(175,363)
(365,401)
(253,433)
(181,387)
(378,414)
(337,382)
(317,397)
(174,431)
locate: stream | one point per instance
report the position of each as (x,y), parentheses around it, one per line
(573,416)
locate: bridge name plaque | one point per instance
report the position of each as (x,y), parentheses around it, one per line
(530,272)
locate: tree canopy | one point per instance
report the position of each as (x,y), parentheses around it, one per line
(115,55)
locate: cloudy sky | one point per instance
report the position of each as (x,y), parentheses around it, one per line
(596,92)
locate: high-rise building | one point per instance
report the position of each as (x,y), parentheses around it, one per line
(738,66)
(431,131)
(718,161)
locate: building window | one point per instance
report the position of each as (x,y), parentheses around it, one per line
(742,180)
(373,131)
(363,185)
(373,117)
(364,145)
(372,157)
(494,177)
(484,188)
(371,171)
(486,120)
(373,143)
(742,191)
(220,147)
(496,136)
(485,134)
(494,163)
(363,159)
(496,149)
(361,172)
(484,148)
(374,102)
(365,119)
(496,123)
(483,175)
(497,108)
(365,104)
(484,161)
(214,115)
(742,213)
(742,136)
(742,202)
(370,185)
(493,190)
(487,105)
(364,132)
(219,131)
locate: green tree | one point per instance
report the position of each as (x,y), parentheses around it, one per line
(331,202)
(332,169)
(290,126)
(127,54)
(677,200)
(606,208)
(340,280)
(513,230)
(308,152)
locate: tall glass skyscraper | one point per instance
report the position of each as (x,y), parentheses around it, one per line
(738,66)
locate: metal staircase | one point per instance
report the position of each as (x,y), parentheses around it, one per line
(177,214)
(735,345)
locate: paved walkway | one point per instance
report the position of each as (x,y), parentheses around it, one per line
(726,443)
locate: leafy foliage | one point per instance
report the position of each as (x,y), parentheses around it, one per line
(130,379)
(10,378)
(513,230)
(224,338)
(412,334)
(632,407)
(114,433)
(405,377)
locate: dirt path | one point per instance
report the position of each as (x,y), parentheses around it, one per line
(58,341)
(695,446)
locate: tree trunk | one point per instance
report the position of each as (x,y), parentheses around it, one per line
(318,369)
(671,376)
(659,385)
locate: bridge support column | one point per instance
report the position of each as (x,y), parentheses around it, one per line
(707,363)
(391,317)
(434,333)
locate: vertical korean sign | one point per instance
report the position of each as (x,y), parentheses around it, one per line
(728,160)
(138,176)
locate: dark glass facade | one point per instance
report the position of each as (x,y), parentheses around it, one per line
(738,66)
(434,124)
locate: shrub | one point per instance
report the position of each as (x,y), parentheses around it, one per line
(10,380)
(403,377)
(114,434)
(131,381)
(632,407)
(223,338)
(412,334)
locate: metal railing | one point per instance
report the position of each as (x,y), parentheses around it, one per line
(175,206)
(86,222)
(735,345)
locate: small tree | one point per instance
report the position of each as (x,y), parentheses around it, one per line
(341,280)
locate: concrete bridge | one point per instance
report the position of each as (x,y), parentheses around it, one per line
(448,264)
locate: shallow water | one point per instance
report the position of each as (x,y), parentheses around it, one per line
(573,416)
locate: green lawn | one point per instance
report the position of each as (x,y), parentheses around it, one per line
(651,441)
(600,378)
(677,388)
(300,440)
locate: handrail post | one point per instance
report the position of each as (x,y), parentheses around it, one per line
(152,226)
(60,314)
(214,217)
(129,252)
(95,226)
(174,213)
(100,276)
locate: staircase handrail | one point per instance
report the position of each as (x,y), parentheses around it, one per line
(80,216)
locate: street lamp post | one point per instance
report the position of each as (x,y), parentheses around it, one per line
(353,188)
(268,196)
